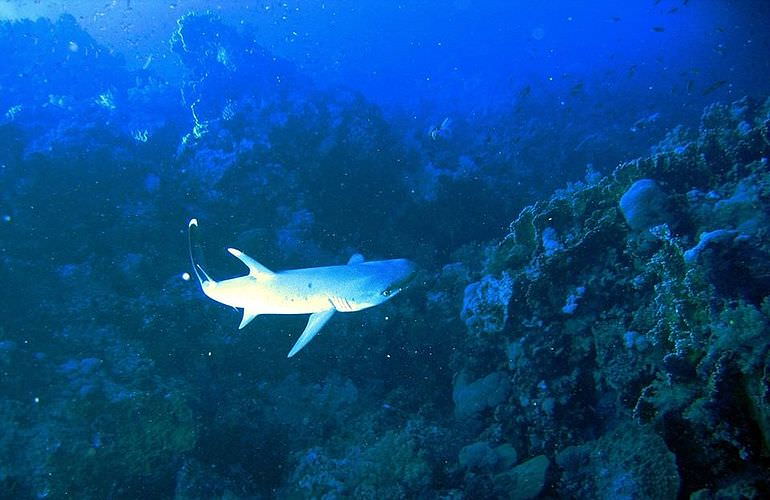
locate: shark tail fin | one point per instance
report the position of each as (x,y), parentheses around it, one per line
(196,267)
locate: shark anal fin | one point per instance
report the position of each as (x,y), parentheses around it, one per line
(255,268)
(314,325)
(356,258)
(247,317)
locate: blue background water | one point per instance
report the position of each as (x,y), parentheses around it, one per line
(302,132)
(464,53)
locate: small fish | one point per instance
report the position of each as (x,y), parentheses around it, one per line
(615,19)
(632,71)
(525,91)
(393,409)
(690,86)
(673,11)
(147,62)
(442,131)
(577,89)
(658,29)
(645,122)
(714,87)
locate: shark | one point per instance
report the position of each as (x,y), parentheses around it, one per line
(318,291)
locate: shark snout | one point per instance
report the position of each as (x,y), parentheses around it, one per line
(409,270)
(403,272)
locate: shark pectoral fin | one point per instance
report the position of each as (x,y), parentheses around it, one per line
(255,268)
(248,315)
(356,258)
(314,325)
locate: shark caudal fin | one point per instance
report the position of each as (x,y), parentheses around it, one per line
(197,269)
(314,325)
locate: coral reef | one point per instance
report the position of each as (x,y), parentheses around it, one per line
(389,466)
(665,309)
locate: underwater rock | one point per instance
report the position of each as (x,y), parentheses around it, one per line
(485,305)
(573,300)
(83,68)
(387,466)
(478,456)
(506,456)
(516,355)
(743,210)
(623,364)
(90,98)
(524,481)
(472,398)
(644,205)
(737,264)
(551,243)
(224,67)
(631,461)
(677,367)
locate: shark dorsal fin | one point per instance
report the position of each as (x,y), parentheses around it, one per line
(255,268)
(356,258)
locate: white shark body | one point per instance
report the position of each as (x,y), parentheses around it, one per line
(318,291)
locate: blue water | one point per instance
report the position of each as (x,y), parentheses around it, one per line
(583,324)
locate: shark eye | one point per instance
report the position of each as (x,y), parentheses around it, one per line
(386,293)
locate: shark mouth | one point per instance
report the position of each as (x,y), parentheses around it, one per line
(399,286)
